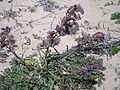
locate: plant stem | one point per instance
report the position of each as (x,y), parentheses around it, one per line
(46,54)
(14,53)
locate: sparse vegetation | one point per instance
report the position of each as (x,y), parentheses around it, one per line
(108,3)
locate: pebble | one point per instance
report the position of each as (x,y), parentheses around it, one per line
(26,41)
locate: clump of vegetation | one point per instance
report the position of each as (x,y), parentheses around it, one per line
(55,71)
(7,14)
(48,5)
(3,57)
(112,3)
(91,44)
(97,44)
(113,49)
(15,78)
(108,3)
(116,16)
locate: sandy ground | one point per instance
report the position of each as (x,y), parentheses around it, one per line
(95,13)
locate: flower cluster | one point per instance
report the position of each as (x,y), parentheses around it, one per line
(90,68)
(73,10)
(99,37)
(86,42)
(5,37)
(50,40)
(68,24)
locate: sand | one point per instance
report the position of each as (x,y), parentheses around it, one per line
(95,13)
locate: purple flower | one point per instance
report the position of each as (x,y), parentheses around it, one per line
(56,41)
(2,28)
(62,33)
(50,32)
(90,69)
(7,29)
(99,36)
(82,11)
(49,37)
(86,72)
(75,6)
(2,45)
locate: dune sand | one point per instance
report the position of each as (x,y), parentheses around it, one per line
(95,13)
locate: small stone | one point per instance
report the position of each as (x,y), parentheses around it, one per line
(26,41)
(115,79)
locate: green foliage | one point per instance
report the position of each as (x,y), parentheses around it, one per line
(112,50)
(116,16)
(3,55)
(14,78)
(55,71)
